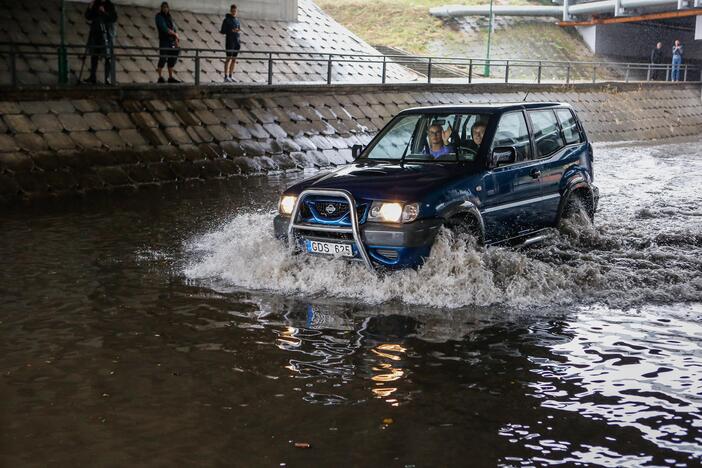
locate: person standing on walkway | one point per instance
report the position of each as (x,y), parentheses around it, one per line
(168,43)
(231,28)
(656,61)
(677,60)
(102,16)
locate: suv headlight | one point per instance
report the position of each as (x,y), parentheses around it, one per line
(287,203)
(393,212)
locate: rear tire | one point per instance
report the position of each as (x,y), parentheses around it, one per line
(577,209)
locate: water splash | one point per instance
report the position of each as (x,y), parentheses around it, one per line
(646,245)
(578,265)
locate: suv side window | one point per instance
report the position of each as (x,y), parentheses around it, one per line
(513,131)
(547,135)
(571,133)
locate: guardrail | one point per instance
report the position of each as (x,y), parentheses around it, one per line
(467,70)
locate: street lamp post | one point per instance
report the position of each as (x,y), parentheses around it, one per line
(487,52)
(62,57)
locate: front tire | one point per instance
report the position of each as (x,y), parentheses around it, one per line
(465,225)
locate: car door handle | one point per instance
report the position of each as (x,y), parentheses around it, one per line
(535,173)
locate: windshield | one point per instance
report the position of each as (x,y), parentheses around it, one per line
(431,137)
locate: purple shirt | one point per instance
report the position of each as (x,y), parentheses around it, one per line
(441,152)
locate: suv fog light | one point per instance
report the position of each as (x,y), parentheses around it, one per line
(287,203)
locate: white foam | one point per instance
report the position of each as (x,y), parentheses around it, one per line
(630,255)
(244,253)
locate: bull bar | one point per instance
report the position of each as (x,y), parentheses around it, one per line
(354,229)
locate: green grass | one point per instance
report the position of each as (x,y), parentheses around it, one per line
(406,24)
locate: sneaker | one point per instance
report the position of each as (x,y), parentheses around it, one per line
(173,80)
(160,80)
(227,79)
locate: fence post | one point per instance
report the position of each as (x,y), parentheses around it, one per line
(13,66)
(470,71)
(507,71)
(594,73)
(270,68)
(329,69)
(568,74)
(429,71)
(626,74)
(667,73)
(384,68)
(62,65)
(648,73)
(113,65)
(197,66)
(538,75)
(685,73)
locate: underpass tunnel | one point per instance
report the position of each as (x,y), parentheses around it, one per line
(634,41)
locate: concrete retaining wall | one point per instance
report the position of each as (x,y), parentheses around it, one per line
(62,142)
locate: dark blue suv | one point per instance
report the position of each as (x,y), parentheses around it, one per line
(503,172)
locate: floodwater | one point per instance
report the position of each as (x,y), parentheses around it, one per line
(169,328)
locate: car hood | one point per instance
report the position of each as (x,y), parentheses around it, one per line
(384,181)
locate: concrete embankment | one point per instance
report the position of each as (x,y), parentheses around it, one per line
(79,141)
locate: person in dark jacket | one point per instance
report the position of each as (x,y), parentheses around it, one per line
(231,28)
(677,60)
(102,16)
(168,43)
(477,132)
(656,61)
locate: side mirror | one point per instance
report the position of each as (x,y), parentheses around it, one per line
(503,155)
(356,150)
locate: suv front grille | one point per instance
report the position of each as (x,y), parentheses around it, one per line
(331,211)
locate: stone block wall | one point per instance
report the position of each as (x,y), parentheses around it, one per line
(58,143)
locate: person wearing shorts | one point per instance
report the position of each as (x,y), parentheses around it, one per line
(168,43)
(231,28)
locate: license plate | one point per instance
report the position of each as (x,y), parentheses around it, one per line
(329,248)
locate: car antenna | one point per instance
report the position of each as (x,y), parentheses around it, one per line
(526,96)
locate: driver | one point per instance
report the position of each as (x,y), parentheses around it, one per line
(437,137)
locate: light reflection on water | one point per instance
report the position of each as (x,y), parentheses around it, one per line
(387,372)
(637,370)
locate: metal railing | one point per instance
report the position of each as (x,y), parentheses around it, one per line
(467,70)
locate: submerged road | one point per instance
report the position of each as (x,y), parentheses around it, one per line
(170,328)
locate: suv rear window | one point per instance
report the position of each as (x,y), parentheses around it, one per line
(571,133)
(547,135)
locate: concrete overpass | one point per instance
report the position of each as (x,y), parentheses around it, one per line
(276,10)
